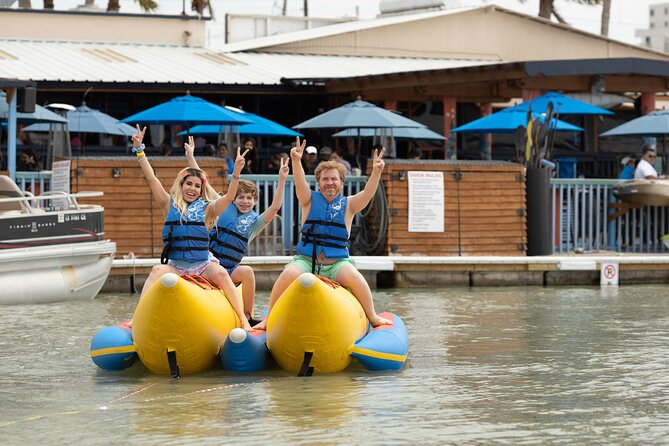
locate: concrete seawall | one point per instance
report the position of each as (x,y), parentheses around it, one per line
(128,275)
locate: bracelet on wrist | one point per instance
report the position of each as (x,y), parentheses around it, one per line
(139,151)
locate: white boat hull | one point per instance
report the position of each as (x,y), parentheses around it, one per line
(44,274)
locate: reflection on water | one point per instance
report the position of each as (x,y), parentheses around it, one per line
(502,365)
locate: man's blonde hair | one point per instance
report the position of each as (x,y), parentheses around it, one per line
(330,165)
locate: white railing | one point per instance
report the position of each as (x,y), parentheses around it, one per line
(579,216)
(35,182)
(282,235)
(580,220)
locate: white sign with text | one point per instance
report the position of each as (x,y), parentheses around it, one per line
(426,201)
(60,181)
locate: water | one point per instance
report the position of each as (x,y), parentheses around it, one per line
(502,365)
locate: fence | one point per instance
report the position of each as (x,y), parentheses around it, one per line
(35,182)
(579,216)
(282,234)
(580,213)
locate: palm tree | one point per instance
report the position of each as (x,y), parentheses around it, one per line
(547,8)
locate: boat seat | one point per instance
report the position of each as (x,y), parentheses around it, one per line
(9,189)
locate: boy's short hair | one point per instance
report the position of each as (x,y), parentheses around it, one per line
(247,187)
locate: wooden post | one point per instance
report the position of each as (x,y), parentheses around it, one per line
(450,116)
(647,102)
(486,139)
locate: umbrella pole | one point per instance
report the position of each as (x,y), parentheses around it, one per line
(358,149)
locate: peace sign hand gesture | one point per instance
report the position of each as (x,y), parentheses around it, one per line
(378,164)
(189,147)
(283,169)
(138,137)
(240,162)
(297,151)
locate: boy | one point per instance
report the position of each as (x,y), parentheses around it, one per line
(237,226)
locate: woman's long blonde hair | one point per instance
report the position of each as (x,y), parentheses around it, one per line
(176,191)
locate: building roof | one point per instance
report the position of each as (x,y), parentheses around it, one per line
(488,27)
(94,62)
(335,29)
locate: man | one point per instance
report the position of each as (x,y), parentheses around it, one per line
(645,170)
(327,217)
(310,160)
(627,172)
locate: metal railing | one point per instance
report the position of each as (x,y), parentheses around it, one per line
(579,215)
(35,182)
(280,237)
(580,220)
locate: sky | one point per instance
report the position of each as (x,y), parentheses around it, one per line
(626,15)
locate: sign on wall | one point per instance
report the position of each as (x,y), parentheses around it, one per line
(426,201)
(60,181)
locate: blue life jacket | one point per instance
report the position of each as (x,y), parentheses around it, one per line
(229,238)
(326,225)
(185,237)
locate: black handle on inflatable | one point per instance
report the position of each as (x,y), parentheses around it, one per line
(312,236)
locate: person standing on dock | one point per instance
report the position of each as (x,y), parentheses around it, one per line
(326,225)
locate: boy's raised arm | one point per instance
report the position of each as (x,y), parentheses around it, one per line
(223,202)
(277,201)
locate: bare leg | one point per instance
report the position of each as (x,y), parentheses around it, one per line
(156,272)
(351,278)
(245,275)
(220,277)
(287,276)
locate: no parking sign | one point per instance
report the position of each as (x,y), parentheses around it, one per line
(609,274)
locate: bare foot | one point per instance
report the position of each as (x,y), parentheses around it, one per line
(262,325)
(245,325)
(378,320)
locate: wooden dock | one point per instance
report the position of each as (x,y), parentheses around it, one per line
(447,271)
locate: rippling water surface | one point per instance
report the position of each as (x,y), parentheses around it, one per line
(502,365)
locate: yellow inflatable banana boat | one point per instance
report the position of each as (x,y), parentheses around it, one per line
(180,324)
(315,322)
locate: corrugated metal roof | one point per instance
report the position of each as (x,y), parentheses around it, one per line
(150,63)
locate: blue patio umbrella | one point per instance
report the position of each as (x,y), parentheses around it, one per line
(187,111)
(259,127)
(508,120)
(653,124)
(358,114)
(397,133)
(562,104)
(84,119)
